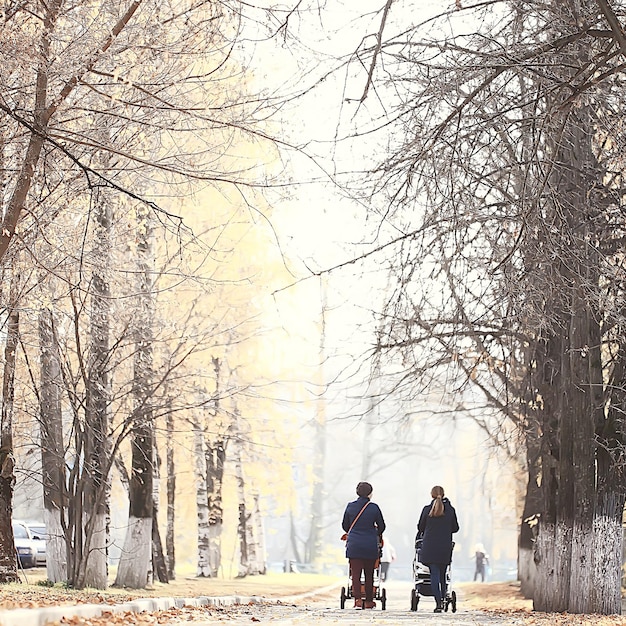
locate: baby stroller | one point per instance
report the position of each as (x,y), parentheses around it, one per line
(380,593)
(421,582)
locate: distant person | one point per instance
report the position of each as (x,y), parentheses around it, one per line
(364,525)
(482,560)
(388,557)
(436,525)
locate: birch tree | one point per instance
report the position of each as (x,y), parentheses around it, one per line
(256,538)
(245,566)
(211,440)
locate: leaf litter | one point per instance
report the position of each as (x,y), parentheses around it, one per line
(502,600)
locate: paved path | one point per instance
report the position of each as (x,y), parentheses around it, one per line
(321,608)
(325,610)
(299,616)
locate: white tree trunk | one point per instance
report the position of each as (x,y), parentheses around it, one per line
(553,551)
(215,547)
(606,548)
(202,507)
(563,568)
(134,563)
(96,569)
(56,548)
(256,545)
(546,571)
(243,568)
(581,570)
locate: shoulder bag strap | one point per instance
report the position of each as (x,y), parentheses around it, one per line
(359,515)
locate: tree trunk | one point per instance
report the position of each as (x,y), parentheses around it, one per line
(214,456)
(293,538)
(214,449)
(548,386)
(159,564)
(256,539)
(569,451)
(8,562)
(608,530)
(52,449)
(313,548)
(243,516)
(526,568)
(135,560)
(607,539)
(94,572)
(171,497)
(202,504)
(565,514)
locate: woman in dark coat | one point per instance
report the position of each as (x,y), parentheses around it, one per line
(437,523)
(364,524)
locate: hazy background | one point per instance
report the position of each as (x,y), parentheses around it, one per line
(322,327)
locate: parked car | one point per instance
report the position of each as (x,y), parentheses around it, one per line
(38,534)
(25,547)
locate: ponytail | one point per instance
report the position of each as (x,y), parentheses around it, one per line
(437,510)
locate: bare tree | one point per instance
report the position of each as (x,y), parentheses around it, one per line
(502,211)
(144,73)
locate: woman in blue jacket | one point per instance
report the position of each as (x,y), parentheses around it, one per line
(364,524)
(437,523)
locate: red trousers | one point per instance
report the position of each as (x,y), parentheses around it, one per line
(356,567)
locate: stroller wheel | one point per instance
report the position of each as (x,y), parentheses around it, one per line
(414,600)
(343,598)
(454,601)
(383,599)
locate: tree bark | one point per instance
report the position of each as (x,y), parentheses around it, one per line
(215,456)
(607,539)
(608,533)
(256,539)
(159,564)
(202,504)
(171,498)
(135,560)
(243,516)
(214,450)
(526,568)
(8,561)
(52,450)
(94,572)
